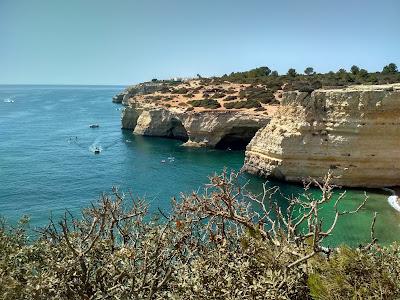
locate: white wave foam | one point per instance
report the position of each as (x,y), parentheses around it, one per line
(394,202)
(8,100)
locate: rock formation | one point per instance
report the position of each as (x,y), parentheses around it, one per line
(135,90)
(353,131)
(220,129)
(203,113)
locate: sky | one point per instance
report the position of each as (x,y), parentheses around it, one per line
(130,41)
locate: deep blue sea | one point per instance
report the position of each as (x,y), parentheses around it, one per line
(47,162)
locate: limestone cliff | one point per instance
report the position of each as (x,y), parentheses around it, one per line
(353,131)
(203,113)
(221,129)
(135,90)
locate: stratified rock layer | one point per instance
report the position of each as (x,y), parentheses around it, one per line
(354,131)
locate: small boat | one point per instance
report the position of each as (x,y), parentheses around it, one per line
(163,161)
(96,150)
(94,126)
(8,100)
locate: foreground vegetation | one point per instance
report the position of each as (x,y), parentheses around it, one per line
(223,244)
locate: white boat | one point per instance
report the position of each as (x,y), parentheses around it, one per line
(8,100)
(96,150)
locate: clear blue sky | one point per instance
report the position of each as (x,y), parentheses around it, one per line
(128,41)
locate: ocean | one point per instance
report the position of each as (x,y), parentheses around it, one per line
(47,164)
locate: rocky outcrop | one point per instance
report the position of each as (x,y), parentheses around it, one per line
(119,97)
(354,132)
(221,129)
(130,116)
(160,122)
(135,90)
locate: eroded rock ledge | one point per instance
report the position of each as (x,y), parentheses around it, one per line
(219,129)
(354,131)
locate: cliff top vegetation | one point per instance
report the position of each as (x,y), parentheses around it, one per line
(253,91)
(309,79)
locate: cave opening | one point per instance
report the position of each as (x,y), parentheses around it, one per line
(237,138)
(178,131)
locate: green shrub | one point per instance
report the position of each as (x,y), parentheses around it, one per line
(355,274)
(354,69)
(309,71)
(291,72)
(180,91)
(198,89)
(206,103)
(242,104)
(390,69)
(165,90)
(274,82)
(218,95)
(257,93)
(230,98)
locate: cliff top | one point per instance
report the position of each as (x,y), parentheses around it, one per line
(257,91)
(198,95)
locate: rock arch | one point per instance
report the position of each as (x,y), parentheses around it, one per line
(177,130)
(237,138)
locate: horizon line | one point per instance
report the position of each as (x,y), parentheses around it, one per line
(65,84)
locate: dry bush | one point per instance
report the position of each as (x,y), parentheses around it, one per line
(224,243)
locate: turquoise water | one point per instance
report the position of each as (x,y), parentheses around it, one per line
(47,164)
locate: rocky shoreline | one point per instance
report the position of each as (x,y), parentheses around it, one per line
(354,132)
(214,129)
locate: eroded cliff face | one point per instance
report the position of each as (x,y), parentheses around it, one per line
(135,90)
(355,132)
(220,129)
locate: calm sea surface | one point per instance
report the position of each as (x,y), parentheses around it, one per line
(47,164)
